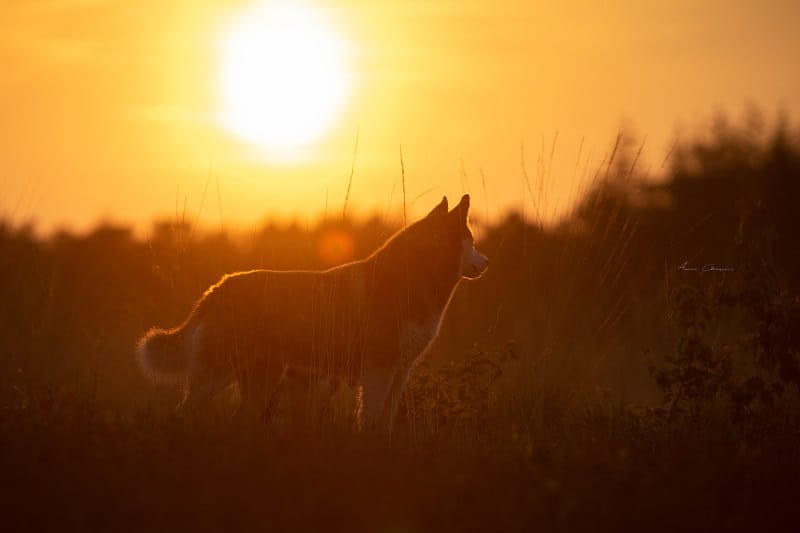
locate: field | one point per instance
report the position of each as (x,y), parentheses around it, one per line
(591,380)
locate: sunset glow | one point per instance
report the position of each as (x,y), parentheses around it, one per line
(121,110)
(283,76)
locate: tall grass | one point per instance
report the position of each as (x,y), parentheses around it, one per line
(583,383)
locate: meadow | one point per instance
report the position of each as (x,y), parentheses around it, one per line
(600,376)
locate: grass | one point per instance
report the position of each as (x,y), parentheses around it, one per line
(69,463)
(535,409)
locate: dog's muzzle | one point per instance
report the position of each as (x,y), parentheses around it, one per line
(475,264)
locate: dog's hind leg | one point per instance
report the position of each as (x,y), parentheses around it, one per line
(202,388)
(252,398)
(273,401)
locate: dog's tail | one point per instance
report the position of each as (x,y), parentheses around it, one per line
(162,353)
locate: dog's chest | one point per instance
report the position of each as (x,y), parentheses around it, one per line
(419,335)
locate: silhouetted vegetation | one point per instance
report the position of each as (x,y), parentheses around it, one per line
(634,367)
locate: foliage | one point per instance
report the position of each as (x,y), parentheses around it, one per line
(534,408)
(754,372)
(697,373)
(459,395)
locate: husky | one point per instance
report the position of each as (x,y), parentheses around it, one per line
(365,323)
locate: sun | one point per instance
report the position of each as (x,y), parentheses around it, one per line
(283,75)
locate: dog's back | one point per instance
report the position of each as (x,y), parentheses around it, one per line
(312,321)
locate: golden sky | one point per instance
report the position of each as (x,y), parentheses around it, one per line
(109,109)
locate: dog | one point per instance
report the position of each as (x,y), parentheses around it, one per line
(365,323)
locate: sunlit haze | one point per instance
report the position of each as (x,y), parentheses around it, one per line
(237,112)
(283,76)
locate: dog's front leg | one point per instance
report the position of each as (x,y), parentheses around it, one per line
(395,392)
(372,397)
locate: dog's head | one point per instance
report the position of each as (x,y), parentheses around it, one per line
(449,233)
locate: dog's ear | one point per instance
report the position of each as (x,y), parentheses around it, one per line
(440,209)
(460,211)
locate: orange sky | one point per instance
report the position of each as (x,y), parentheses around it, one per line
(107,107)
